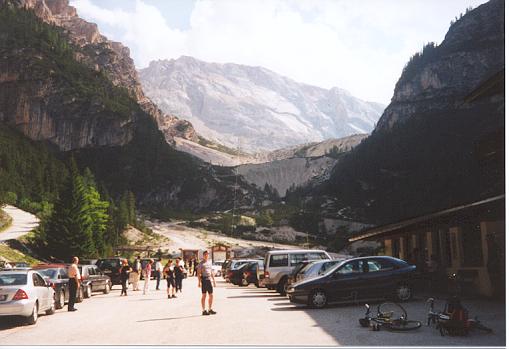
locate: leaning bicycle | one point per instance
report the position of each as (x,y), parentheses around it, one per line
(389,315)
(453,320)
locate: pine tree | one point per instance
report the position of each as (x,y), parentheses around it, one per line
(69,229)
(97,210)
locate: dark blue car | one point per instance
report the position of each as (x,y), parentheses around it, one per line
(363,278)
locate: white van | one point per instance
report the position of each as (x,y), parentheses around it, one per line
(279,264)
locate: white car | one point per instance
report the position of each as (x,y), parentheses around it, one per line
(25,293)
(216,268)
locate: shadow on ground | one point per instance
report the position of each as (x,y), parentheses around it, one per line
(342,322)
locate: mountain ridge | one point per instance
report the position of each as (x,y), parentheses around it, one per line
(231,102)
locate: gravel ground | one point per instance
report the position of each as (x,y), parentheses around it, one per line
(247,316)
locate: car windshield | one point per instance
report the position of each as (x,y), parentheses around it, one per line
(238,265)
(109,264)
(306,268)
(51,273)
(13,279)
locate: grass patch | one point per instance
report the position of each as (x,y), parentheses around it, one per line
(12,255)
(5,220)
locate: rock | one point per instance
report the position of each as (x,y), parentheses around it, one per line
(254,107)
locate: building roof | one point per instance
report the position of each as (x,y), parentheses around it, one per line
(494,84)
(402,224)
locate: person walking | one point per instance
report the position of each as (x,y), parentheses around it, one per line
(135,274)
(195,266)
(124,276)
(179,275)
(74,283)
(159,269)
(169,273)
(147,272)
(205,280)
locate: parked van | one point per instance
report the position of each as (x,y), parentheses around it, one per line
(279,264)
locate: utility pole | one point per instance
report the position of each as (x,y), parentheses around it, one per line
(235,187)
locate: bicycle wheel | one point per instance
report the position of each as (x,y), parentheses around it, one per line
(391,311)
(477,325)
(404,325)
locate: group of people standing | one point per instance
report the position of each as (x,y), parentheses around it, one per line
(173,272)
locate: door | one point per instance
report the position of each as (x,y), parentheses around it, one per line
(92,276)
(101,278)
(345,282)
(378,278)
(42,291)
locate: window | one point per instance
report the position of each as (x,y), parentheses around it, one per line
(97,271)
(13,279)
(279,260)
(91,271)
(350,268)
(38,280)
(312,256)
(378,265)
(296,258)
(63,274)
(327,266)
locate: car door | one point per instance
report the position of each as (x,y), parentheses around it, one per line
(379,278)
(101,278)
(345,282)
(92,276)
(62,275)
(42,291)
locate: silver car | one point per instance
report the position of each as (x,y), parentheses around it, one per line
(25,293)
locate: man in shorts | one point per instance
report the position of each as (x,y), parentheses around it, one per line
(205,281)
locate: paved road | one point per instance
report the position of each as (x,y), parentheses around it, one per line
(245,316)
(22,223)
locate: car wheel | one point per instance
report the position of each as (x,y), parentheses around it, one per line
(403,292)
(88,291)
(281,286)
(32,319)
(318,299)
(51,310)
(107,288)
(60,300)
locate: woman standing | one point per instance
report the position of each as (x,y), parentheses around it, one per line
(169,271)
(179,275)
(124,276)
(147,273)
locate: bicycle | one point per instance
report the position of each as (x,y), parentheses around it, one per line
(391,316)
(447,324)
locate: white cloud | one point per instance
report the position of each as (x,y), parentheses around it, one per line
(360,46)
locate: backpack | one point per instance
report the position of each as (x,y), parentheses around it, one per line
(457,325)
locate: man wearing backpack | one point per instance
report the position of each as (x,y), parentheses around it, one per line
(136,273)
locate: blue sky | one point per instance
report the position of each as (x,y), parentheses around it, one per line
(360,45)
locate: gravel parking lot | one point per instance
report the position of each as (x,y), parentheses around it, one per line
(245,316)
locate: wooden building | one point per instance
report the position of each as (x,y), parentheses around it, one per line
(468,240)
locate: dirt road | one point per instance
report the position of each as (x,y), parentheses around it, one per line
(189,238)
(22,223)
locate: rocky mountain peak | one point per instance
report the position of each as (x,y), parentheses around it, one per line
(232,103)
(102,55)
(470,53)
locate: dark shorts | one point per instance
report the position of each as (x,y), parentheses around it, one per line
(206,286)
(170,282)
